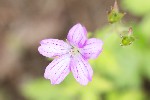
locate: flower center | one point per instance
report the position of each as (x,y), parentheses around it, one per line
(74,51)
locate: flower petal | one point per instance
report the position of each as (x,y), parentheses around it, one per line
(58,69)
(53,47)
(92,48)
(81,70)
(85,31)
(77,35)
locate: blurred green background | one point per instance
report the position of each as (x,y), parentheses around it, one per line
(120,73)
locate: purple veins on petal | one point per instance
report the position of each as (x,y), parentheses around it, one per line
(92,48)
(58,69)
(53,47)
(81,70)
(72,56)
(77,35)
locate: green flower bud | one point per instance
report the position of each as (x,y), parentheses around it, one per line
(114,15)
(127,38)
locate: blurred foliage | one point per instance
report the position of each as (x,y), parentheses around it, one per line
(118,71)
(137,7)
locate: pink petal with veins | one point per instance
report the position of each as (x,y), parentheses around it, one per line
(58,69)
(77,35)
(92,48)
(81,69)
(53,47)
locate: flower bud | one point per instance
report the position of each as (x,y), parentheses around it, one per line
(114,15)
(127,38)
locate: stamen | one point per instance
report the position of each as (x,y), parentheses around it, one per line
(74,51)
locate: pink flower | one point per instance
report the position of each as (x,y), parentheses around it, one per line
(72,56)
